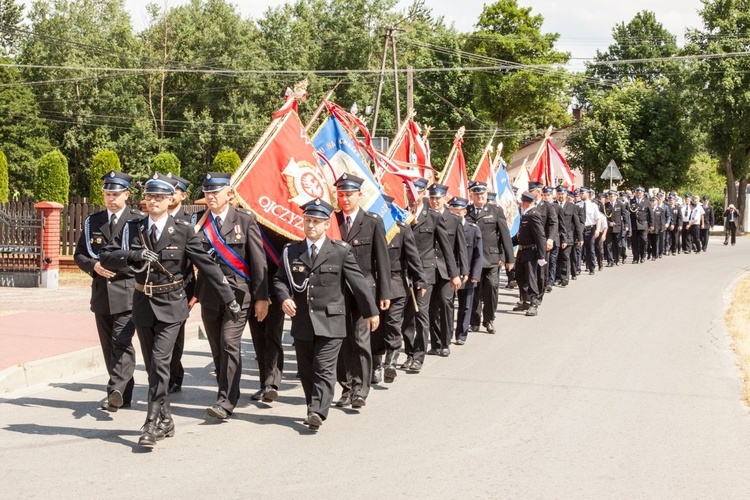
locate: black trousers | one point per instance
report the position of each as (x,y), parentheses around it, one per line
(589,247)
(417,326)
(653,245)
(730,231)
(465,304)
(388,335)
(354,370)
(704,238)
(176,370)
(316,363)
(673,237)
(484,303)
(613,247)
(441,315)
(695,237)
(157,343)
(552,263)
(116,338)
(564,263)
(623,249)
(662,243)
(225,340)
(526,275)
(687,238)
(267,338)
(640,244)
(599,249)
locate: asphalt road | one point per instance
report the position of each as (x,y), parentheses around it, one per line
(624,386)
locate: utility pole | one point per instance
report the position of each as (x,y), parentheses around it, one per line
(409,89)
(395,81)
(386,39)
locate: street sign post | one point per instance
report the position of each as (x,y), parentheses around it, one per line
(612,173)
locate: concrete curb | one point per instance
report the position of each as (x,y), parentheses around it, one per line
(45,371)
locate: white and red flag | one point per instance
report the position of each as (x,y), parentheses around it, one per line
(549,166)
(454,174)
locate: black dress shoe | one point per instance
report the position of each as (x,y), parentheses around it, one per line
(313,421)
(591,272)
(175,388)
(531,311)
(574,277)
(490,327)
(522,307)
(460,342)
(358,402)
(445,352)
(434,352)
(473,328)
(416,366)
(115,400)
(565,283)
(258,395)
(343,402)
(217,411)
(407,364)
(548,289)
(270,394)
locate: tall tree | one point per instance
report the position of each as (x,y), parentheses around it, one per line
(720,90)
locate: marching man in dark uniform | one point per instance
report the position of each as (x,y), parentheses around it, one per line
(548,212)
(231,236)
(532,250)
(617,222)
(407,281)
(441,303)
(430,233)
(473,237)
(313,278)
(675,226)
(708,222)
(365,232)
(496,248)
(111,291)
(176,210)
(571,234)
(640,223)
(160,245)
(657,224)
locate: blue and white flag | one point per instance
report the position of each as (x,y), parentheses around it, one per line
(334,143)
(506,199)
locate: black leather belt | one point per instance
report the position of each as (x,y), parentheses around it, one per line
(526,247)
(150,290)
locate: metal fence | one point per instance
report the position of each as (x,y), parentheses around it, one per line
(21,253)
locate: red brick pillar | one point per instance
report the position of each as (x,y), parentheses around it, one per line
(50,210)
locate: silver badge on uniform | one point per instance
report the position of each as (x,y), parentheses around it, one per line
(170,230)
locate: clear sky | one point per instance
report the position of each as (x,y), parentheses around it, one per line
(583,25)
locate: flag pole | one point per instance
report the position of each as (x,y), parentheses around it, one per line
(400,134)
(542,147)
(321,107)
(451,155)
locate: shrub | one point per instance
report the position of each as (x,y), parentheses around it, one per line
(103,162)
(226,161)
(165,163)
(52,178)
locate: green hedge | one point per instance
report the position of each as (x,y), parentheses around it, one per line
(52,178)
(103,162)
(226,161)
(4,189)
(165,163)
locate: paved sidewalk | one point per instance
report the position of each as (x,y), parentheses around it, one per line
(49,334)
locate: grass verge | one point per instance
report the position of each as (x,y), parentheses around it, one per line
(738,323)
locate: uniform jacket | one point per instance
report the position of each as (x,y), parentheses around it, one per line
(367,239)
(618,216)
(496,242)
(458,246)
(405,261)
(473,237)
(548,212)
(658,220)
(177,243)
(640,214)
(727,223)
(240,231)
(189,271)
(321,307)
(430,233)
(570,225)
(531,232)
(113,295)
(667,215)
(708,217)
(675,216)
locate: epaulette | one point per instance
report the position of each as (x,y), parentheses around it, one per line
(471,223)
(244,211)
(372,215)
(341,243)
(136,212)
(182,221)
(400,224)
(287,245)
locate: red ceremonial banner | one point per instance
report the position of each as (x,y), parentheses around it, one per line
(280,175)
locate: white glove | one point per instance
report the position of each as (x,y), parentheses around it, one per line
(541,262)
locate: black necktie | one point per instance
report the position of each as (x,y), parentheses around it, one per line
(112,224)
(218,223)
(152,236)
(313,253)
